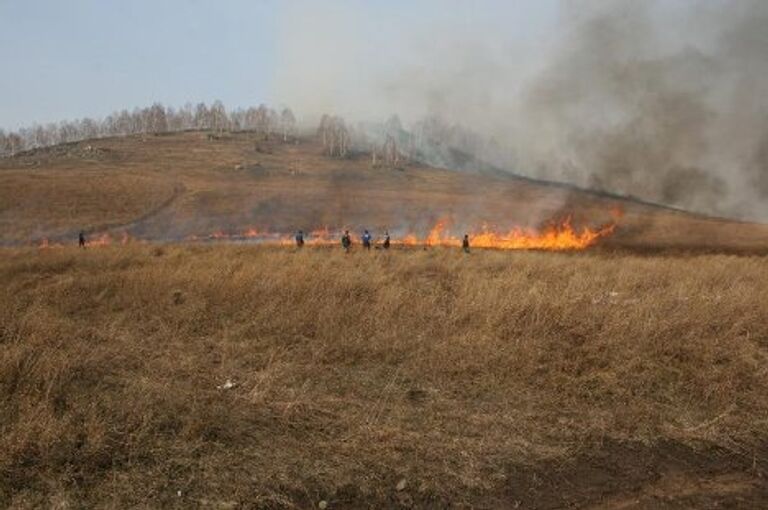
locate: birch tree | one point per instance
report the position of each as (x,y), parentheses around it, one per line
(287,123)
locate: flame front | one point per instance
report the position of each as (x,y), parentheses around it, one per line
(556,236)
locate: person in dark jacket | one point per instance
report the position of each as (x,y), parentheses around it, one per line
(465,243)
(346,241)
(366,240)
(81,239)
(386,240)
(299,239)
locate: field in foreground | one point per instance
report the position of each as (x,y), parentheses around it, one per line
(236,376)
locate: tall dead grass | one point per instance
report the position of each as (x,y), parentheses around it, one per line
(349,374)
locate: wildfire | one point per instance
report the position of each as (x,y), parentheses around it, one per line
(104,239)
(436,236)
(561,236)
(556,236)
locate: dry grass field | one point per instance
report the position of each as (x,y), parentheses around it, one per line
(631,375)
(224,376)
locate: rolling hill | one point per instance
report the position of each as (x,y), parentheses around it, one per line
(176,186)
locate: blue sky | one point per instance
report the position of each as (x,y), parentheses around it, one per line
(72,58)
(65,59)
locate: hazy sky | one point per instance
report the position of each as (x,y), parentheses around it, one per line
(65,59)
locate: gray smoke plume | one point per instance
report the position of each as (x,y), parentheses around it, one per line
(669,106)
(665,101)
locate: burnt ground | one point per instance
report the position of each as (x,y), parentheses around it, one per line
(609,476)
(636,476)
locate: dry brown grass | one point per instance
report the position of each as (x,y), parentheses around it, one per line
(170,187)
(485,380)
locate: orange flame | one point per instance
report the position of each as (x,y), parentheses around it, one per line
(435,236)
(104,239)
(557,236)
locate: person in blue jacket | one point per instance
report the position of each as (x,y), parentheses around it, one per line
(366,240)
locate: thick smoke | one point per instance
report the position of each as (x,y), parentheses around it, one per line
(665,101)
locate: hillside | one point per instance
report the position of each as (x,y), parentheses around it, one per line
(176,186)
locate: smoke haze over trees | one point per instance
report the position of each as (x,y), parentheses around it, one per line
(666,101)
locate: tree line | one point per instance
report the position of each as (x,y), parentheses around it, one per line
(429,140)
(155,119)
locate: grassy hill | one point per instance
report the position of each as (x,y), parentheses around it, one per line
(181,185)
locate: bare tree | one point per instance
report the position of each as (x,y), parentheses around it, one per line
(323,130)
(186,117)
(237,120)
(335,136)
(202,117)
(157,121)
(218,116)
(173,120)
(124,122)
(14,143)
(272,122)
(390,152)
(251,121)
(262,120)
(287,123)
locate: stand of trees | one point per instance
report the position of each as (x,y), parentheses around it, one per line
(389,141)
(335,136)
(152,120)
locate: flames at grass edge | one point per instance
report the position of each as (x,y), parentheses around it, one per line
(559,236)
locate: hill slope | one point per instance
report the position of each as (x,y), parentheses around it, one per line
(181,185)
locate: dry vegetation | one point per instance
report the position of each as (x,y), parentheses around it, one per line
(410,378)
(177,185)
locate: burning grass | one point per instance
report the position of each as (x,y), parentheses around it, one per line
(557,236)
(238,375)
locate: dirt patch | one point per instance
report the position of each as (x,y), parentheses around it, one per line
(635,476)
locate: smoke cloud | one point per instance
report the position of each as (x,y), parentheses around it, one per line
(664,101)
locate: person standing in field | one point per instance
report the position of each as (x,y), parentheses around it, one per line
(465,243)
(81,239)
(366,240)
(346,241)
(386,240)
(299,239)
